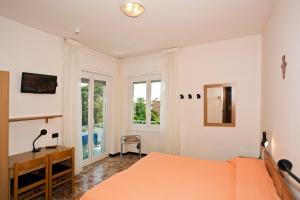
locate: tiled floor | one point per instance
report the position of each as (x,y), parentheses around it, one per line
(94,174)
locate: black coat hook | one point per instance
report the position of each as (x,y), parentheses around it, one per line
(198,96)
(181,96)
(190,96)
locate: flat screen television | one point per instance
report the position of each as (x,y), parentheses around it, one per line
(38,83)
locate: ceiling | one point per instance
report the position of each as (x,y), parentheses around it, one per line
(165,23)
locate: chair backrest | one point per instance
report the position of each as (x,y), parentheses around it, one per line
(131,138)
(30,166)
(62,155)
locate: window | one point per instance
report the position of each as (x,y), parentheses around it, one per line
(155,102)
(146,103)
(139,99)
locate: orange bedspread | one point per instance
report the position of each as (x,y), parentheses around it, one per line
(166,177)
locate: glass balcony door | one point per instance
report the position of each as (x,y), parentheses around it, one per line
(93,97)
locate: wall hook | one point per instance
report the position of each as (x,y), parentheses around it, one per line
(283,66)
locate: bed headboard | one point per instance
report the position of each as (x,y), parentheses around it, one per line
(277,177)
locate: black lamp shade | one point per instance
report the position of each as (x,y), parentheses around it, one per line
(286,166)
(43,132)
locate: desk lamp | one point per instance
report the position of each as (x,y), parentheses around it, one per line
(43,132)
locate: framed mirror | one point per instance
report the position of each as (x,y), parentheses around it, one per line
(219,105)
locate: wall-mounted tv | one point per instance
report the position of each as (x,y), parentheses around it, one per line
(38,83)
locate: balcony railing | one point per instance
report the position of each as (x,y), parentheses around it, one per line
(98,140)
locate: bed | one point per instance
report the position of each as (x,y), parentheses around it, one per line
(163,177)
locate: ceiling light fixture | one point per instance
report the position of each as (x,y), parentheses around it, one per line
(132,8)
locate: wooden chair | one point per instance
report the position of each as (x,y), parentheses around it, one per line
(61,169)
(29,178)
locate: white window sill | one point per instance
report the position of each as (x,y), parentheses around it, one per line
(145,129)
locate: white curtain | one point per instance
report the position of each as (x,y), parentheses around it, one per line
(170,133)
(72,101)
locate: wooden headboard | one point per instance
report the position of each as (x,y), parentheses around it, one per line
(277,177)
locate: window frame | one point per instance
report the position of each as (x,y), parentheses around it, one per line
(148,126)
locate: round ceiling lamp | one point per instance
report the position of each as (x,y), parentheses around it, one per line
(132,8)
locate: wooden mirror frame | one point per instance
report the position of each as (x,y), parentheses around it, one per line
(232,124)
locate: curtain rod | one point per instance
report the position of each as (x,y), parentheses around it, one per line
(170,50)
(72,41)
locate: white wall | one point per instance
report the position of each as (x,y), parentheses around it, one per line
(130,68)
(24,49)
(220,62)
(27,49)
(232,61)
(280,98)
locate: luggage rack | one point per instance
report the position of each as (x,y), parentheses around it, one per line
(131,139)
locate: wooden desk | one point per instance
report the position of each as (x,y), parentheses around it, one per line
(26,156)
